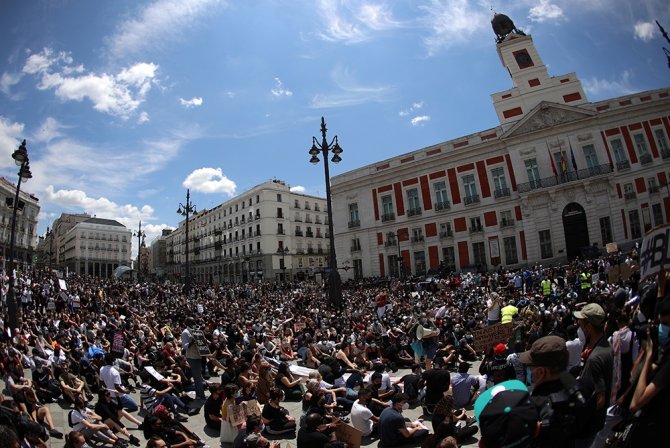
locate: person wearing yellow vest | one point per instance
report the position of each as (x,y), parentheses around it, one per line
(508,313)
(546,287)
(585,282)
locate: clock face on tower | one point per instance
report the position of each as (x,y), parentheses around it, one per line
(523,59)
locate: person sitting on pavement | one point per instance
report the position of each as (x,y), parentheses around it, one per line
(109,412)
(361,416)
(313,434)
(465,386)
(394,430)
(150,397)
(275,417)
(212,407)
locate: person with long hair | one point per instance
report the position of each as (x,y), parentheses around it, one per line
(275,417)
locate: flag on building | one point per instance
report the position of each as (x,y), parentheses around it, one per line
(572,156)
(553,164)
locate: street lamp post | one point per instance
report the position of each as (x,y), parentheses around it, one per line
(140,236)
(20,156)
(185,210)
(49,236)
(283,251)
(334,281)
(665,35)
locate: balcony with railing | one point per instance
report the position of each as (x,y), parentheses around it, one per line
(472,199)
(390,242)
(356,248)
(665,153)
(310,251)
(299,233)
(388,217)
(318,235)
(571,176)
(416,211)
(508,222)
(630,195)
(446,234)
(623,165)
(280,231)
(308,220)
(645,159)
(476,229)
(440,206)
(654,189)
(309,234)
(320,251)
(354,224)
(501,193)
(417,238)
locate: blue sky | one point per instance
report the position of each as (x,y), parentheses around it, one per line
(125,103)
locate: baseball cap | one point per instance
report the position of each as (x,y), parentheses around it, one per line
(593,313)
(506,415)
(160,409)
(499,349)
(549,351)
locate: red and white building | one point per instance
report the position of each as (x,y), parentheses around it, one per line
(558,174)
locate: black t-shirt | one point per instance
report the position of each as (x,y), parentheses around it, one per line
(437,382)
(213,406)
(655,416)
(598,372)
(311,439)
(411,385)
(275,415)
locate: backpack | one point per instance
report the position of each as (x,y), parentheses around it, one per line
(69,418)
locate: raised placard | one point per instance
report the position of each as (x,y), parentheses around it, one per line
(488,337)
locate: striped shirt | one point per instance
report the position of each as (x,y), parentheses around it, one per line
(148,397)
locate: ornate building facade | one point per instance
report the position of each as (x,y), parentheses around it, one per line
(25,242)
(557,176)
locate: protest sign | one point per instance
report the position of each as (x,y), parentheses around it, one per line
(62,284)
(487,337)
(349,435)
(154,373)
(238,413)
(612,248)
(655,251)
(201,342)
(298,327)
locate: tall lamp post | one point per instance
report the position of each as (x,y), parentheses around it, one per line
(49,236)
(334,281)
(140,236)
(20,156)
(665,35)
(185,210)
(283,251)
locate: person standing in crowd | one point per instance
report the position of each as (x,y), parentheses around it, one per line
(598,363)
(509,312)
(493,309)
(193,357)
(559,398)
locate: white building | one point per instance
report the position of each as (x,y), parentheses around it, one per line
(556,175)
(265,233)
(25,240)
(94,247)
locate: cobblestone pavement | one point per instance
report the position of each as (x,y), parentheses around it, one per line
(197,422)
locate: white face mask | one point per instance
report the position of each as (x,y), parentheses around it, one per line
(405,406)
(581,335)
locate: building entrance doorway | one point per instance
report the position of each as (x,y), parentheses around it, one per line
(575,228)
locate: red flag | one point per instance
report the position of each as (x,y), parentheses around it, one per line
(553,165)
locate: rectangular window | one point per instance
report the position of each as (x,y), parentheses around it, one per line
(280,213)
(449,258)
(533,173)
(629,191)
(278,197)
(393,265)
(358,269)
(413,202)
(479,254)
(417,234)
(445,230)
(441,198)
(510,250)
(620,156)
(470,189)
(646,219)
(354,221)
(499,182)
(280,229)
(640,144)
(662,142)
(506,219)
(605,230)
(591,158)
(419,263)
(387,208)
(476,224)
(546,250)
(657,213)
(634,220)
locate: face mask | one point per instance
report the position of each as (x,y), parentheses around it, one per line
(663,334)
(581,335)
(405,406)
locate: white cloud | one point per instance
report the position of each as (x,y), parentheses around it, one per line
(353,21)
(193,102)
(279,89)
(210,180)
(11,134)
(143,117)
(415,106)
(49,130)
(645,31)
(603,88)
(118,95)
(451,22)
(350,93)
(9,80)
(420,120)
(159,22)
(545,11)
(298,189)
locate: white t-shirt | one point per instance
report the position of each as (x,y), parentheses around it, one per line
(77,417)
(493,313)
(574,352)
(360,418)
(110,376)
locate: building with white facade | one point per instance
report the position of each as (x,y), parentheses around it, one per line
(557,175)
(268,232)
(95,247)
(25,240)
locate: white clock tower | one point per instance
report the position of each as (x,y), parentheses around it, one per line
(532,83)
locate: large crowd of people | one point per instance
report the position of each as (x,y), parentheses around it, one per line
(584,362)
